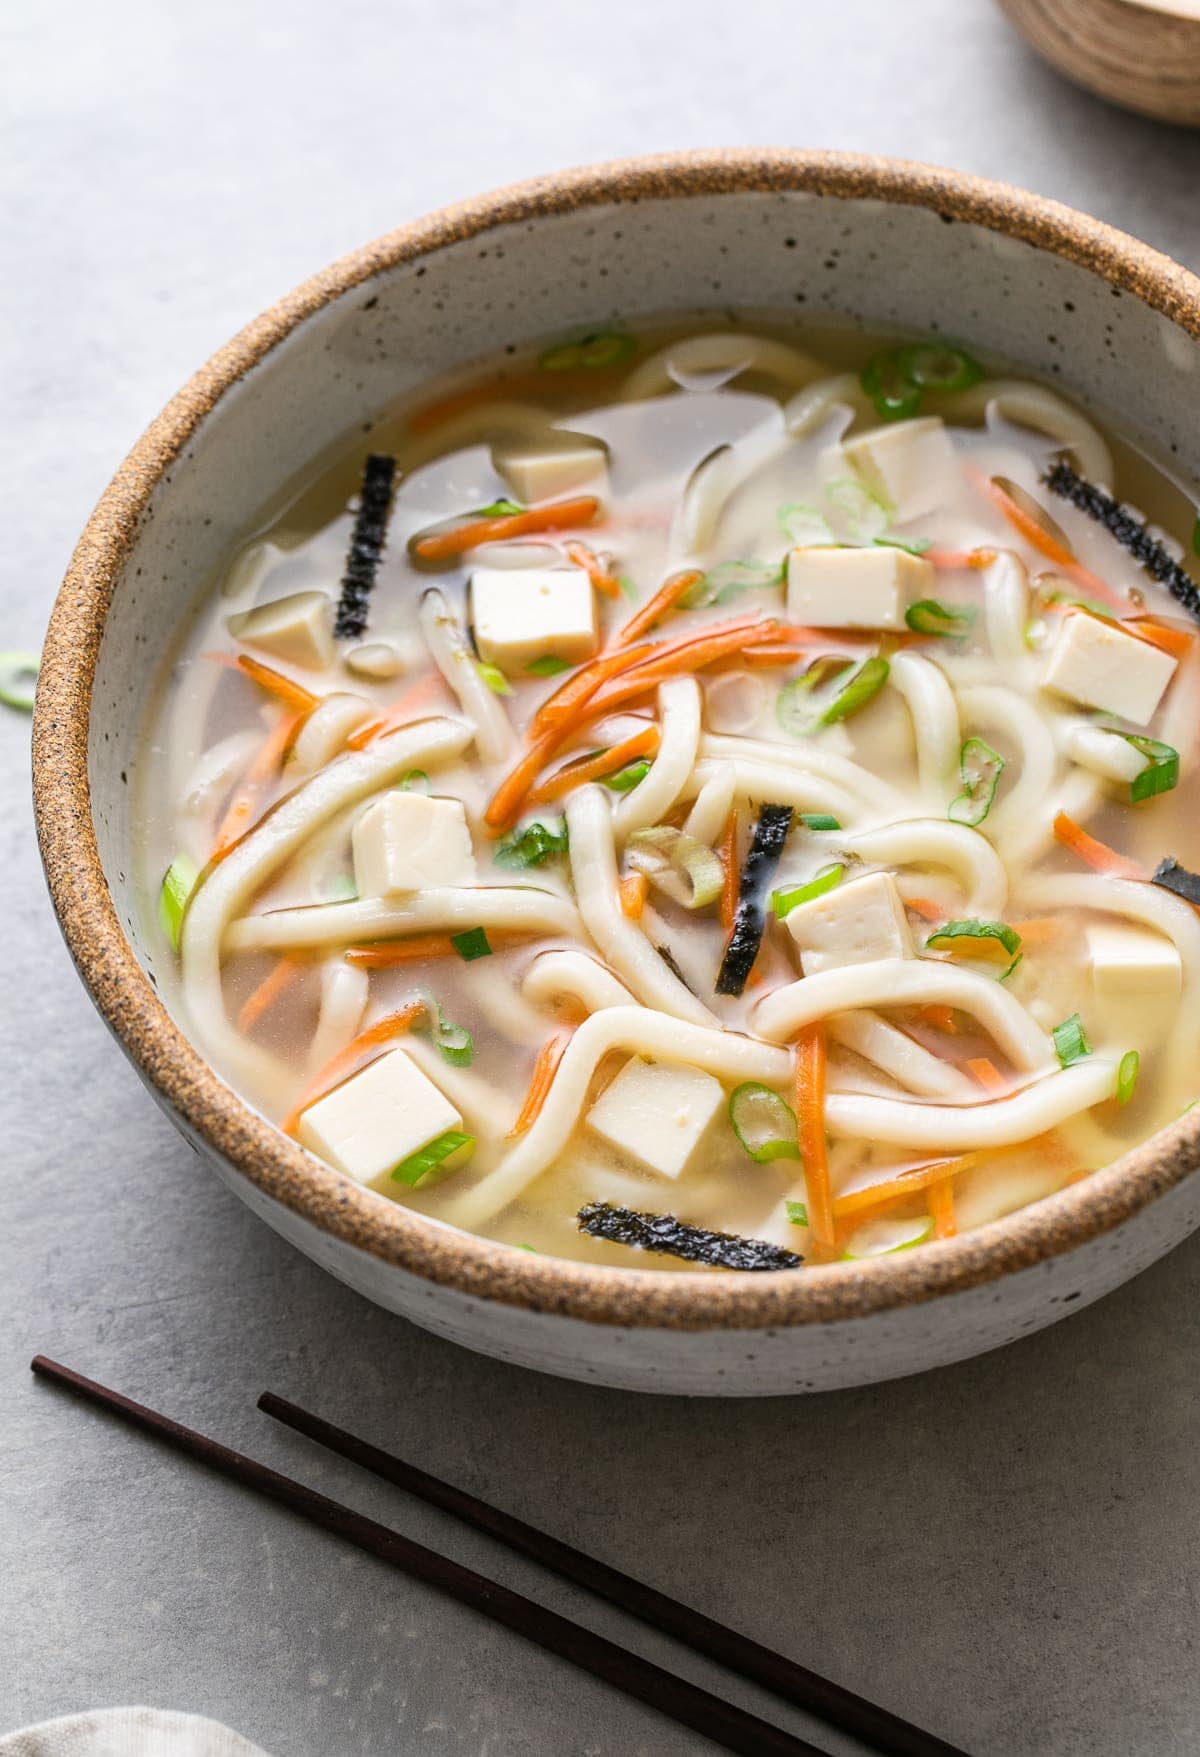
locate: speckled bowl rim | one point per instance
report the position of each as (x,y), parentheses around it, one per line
(280,1169)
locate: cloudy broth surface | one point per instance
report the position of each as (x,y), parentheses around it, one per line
(731,786)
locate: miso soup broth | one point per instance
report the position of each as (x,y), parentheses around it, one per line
(732,774)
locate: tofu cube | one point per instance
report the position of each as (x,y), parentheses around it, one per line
(911,465)
(1128,960)
(854,924)
(523,614)
(407,841)
(1097,664)
(371,1122)
(657,1113)
(298,629)
(546,469)
(855,588)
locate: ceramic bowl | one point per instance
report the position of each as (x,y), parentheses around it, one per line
(1141,54)
(891,245)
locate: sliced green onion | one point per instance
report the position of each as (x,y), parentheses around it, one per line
(472,944)
(819,820)
(549,665)
(981,768)
(910,545)
(862,687)
(529,847)
(804,525)
(863,515)
(880,1238)
(455,1043)
(794,708)
(493,677)
(764,1125)
(1019,959)
(998,932)
(18,674)
(726,582)
(931,616)
(446,1154)
(934,366)
(1127,1074)
(499,509)
(626,779)
(797,1213)
(783,902)
(1161,773)
(895,396)
(179,881)
(628,588)
(603,348)
(688,871)
(416,781)
(1092,605)
(1070,1041)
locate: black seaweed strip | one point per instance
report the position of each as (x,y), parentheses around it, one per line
(1173,877)
(766,845)
(1128,531)
(366,545)
(663,1232)
(668,958)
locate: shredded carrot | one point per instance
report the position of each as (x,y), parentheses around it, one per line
(569,698)
(510,795)
(941,1208)
(293,695)
(695,654)
(903,1185)
(345,1061)
(925,907)
(262,771)
(1098,855)
(420,945)
(988,1075)
(655,608)
(603,579)
(405,708)
(1037,930)
(727,855)
(544,1070)
(633,888)
(1175,641)
(948,558)
(558,515)
(268,992)
(1041,540)
(766,657)
(810,1113)
(940,1017)
(592,768)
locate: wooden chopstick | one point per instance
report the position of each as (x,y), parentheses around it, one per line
(681,1701)
(837,1707)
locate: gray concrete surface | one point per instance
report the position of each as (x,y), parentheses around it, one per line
(1007,1551)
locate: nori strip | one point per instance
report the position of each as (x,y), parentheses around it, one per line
(366,545)
(1173,877)
(663,1232)
(1129,532)
(668,958)
(766,845)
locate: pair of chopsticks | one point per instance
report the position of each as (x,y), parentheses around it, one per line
(686,1703)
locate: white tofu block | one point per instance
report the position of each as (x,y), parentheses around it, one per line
(538,470)
(520,615)
(298,628)
(854,924)
(911,465)
(657,1113)
(369,1124)
(408,841)
(1130,960)
(1096,663)
(855,588)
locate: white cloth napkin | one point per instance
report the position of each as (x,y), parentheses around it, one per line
(128,1732)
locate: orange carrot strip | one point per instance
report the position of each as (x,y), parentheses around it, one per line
(544,1070)
(810,1113)
(293,695)
(509,796)
(268,992)
(559,515)
(1041,540)
(1038,930)
(925,907)
(903,1185)
(655,608)
(940,1017)
(592,768)
(602,578)
(405,708)
(258,777)
(345,1061)
(1097,855)
(694,655)
(988,1075)
(727,855)
(419,945)
(1175,641)
(633,888)
(948,558)
(941,1208)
